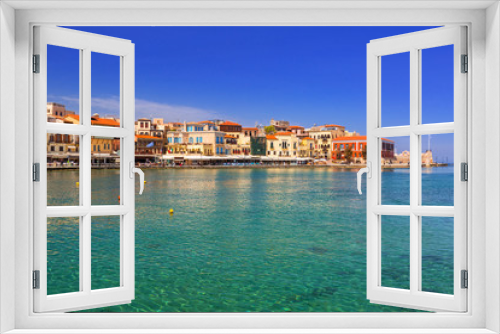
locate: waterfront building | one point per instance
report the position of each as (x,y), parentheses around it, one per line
(298,130)
(231,147)
(288,144)
(158,121)
(102,145)
(148,148)
(358,147)
(323,136)
(306,147)
(57,109)
(350,133)
(63,148)
(404,158)
(280,126)
(258,146)
(174,126)
(143,127)
(195,142)
(231,128)
(272,146)
(250,132)
(208,126)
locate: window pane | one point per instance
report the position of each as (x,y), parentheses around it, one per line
(63,169)
(437,254)
(63,85)
(63,255)
(105,170)
(395,251)
(437,84)
(395,91)
(105,252)
(437,170)
(395,171)
(105,89)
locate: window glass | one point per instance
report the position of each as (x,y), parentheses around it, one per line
(63,255)
(437,84)
(63,85)
(63,169)
(105,89)
(395,88)
(105,252)
(105,173)
(437,254)
(438,173)
(395,250)
(395,171)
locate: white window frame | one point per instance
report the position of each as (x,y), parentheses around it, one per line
(85,43)
(484,48)
(414,44)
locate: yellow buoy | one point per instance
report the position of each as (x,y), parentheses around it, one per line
(171,211)
(78,184)
(145,181)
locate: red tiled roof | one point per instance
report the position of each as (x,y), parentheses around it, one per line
(271,137)
(146,137)
(283,134)
(307,138)
(206,122)
(229,123)
(229,136)
(250,129)
(104,122)
(77,117)
(295,127)
(330,125)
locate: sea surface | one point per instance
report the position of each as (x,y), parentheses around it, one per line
(251,240)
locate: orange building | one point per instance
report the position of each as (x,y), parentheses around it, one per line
(357,144)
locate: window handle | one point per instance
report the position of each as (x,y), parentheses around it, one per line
(134,170)
(368,171)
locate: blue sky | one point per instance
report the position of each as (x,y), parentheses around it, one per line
(307,75)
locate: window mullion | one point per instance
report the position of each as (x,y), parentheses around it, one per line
(86,170)
(414,170)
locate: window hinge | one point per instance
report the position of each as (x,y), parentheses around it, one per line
(465,279)
(36,172)
(464,169)
(36,63)
(465,64)
(36,279)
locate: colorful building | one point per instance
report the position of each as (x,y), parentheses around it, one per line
(306,147)
(357,147)
(323,136)
(57,109)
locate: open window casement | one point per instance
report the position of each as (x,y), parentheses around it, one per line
(414,212)
(85,212)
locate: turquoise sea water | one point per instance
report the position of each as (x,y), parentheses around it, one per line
(251,240)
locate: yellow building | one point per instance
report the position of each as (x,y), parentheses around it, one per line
(102,145)
(272,146)
(323,136)
(306,148)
